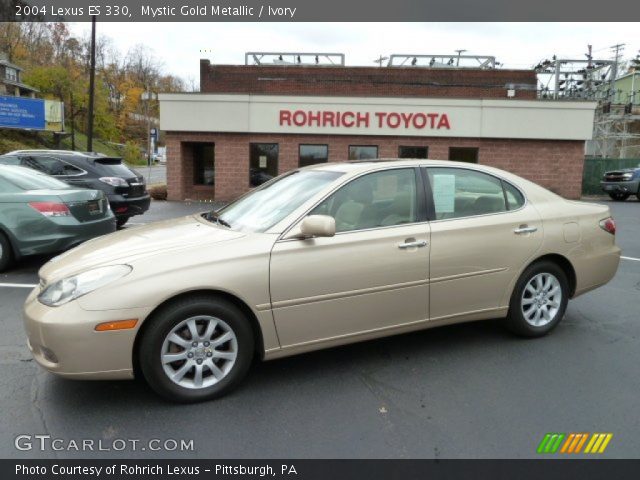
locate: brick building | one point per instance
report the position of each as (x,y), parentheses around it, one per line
(250,123)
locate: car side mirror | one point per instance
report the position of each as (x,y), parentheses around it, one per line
(318,226)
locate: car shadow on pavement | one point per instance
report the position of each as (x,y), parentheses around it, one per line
(419,348)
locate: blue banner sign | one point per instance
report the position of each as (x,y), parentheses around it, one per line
(20,112)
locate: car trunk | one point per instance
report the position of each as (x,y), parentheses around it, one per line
(84,205)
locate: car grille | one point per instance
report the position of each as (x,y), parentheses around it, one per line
(614,177)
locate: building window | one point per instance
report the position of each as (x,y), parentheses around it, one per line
(413,152)
(203,163)
(263,163)
(363,152)
(312,154)
(463,154)
(11,74)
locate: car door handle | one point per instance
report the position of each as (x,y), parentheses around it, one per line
(525,229)
(415,243)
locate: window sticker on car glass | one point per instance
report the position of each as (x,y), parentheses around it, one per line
(444,193)
(263,161)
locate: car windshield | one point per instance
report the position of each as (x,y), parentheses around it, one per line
(267,205)
(28,179)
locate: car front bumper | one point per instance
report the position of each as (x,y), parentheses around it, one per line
(128,207)
(63,340)
(630,187)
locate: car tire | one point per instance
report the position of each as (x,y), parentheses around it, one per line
(619,197)
(539,300)
(120,221)
(6,253)
(222,363)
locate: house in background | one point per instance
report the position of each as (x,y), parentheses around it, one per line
(11,80)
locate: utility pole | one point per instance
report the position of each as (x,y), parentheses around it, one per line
(92,87)
(587,76)
(617,49)
(459,52)
(380,60)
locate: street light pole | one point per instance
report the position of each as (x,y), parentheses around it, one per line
(92,79)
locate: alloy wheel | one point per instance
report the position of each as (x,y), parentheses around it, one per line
(541,299)
(199,352)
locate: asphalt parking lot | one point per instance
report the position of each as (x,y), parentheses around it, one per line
(464,391)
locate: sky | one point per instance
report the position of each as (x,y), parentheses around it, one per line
(180,46)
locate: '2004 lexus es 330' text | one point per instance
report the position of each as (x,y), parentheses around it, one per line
(321,256)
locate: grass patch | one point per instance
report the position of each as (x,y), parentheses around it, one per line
(24,140)
(99,146)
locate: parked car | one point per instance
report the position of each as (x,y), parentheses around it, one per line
(124,187)
(322,256)
(621,184)
(39,214)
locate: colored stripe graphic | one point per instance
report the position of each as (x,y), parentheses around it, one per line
(574,442)
(598,443)
(550,443)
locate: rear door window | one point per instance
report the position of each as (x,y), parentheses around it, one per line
(51,166)
(460,193)
(515,199)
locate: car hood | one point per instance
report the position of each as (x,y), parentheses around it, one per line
(132,244)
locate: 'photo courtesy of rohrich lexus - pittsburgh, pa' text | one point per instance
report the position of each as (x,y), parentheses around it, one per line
(238,235)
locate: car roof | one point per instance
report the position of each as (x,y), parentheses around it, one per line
(353,166)
(44,151)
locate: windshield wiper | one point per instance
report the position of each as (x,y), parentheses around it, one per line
(214,217)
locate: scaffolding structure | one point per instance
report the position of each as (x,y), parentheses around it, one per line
(295,58)
(456,60)
(616,129)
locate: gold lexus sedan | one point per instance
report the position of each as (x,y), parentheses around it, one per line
(318,257)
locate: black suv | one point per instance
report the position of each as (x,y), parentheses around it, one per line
(124,187)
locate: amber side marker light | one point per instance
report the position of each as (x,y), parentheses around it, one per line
(118,325)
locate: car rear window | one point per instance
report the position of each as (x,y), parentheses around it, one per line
(27,179)
(113,167)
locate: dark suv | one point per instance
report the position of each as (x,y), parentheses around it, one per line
(124,187)
(621,184)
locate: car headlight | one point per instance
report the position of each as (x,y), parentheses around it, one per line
(67,289)
(627,176)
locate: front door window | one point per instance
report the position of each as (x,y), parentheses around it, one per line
(379,199)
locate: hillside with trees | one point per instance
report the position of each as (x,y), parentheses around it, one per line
(56,62)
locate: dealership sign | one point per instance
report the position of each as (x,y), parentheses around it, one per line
(30,113)
(349,119)
(418,117)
